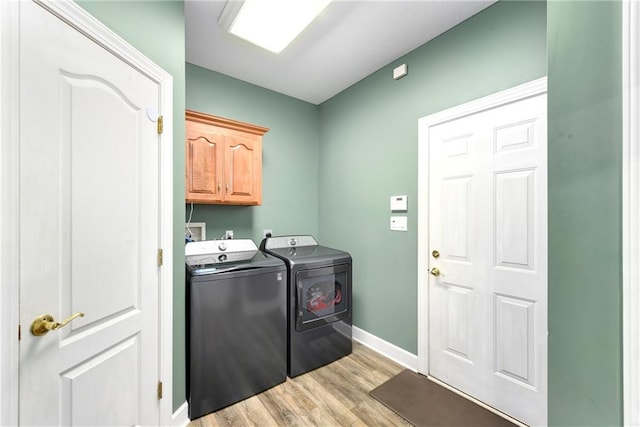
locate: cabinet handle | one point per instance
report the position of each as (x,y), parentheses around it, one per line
(219,189)
(227,186)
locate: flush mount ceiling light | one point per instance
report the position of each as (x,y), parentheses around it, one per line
(270,24)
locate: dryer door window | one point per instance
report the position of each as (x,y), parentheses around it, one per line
(323,295)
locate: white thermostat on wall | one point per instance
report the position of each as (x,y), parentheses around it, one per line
(398,203)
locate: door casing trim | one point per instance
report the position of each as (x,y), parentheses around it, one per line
(69,12)
(9,214)
(527,90)
(631,211)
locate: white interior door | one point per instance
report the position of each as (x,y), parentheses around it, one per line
(487,220)
(89,229)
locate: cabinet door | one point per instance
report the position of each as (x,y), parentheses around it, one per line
(242,169)
(203,153)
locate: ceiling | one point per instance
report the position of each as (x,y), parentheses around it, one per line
(347,42)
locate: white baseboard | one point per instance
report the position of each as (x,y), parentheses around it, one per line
(391,351)
(180,418)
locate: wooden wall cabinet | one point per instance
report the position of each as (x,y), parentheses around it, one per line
(223,160)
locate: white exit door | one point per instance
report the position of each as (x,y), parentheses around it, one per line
(487,250)
(89,206)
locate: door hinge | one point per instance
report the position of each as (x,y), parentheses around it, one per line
(160,257)
(160,125)
(19,332)
(159,390)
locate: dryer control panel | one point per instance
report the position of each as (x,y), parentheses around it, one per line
(279,242)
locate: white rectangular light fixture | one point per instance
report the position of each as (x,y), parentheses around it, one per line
(270,24)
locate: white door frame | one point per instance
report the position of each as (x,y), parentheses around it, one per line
(631,210)
(534,88)
(78,18)
(9,220)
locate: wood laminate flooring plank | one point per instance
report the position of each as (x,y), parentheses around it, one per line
(334,395)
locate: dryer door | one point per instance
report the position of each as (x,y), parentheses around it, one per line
(323,295)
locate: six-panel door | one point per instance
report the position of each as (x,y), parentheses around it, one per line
(487,219)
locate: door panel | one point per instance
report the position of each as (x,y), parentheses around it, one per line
(456,218)
(515,328)
(515,136)
(93,202)
(242,168)
(487,218)
(78,386)
(89,209)
(204,165)
(457,321)
(515,219)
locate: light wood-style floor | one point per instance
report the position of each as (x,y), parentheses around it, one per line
(334,395)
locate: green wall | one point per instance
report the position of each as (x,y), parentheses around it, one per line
(359,148)
(290,156)
(369,151)
(585,212)
(156,28)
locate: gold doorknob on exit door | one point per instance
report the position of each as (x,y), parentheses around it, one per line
(45,323)
(436,272)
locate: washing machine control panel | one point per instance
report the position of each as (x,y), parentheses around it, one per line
(219,251)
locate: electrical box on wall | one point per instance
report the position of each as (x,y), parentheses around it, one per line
(196,231)
(398,203)
(400,71)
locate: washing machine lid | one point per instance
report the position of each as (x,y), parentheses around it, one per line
(260,263)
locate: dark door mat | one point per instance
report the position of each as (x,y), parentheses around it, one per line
(424,403)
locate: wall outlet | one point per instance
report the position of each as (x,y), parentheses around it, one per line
(267,231)
(228,234)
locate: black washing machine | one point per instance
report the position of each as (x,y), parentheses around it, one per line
(319,319)
(236,323)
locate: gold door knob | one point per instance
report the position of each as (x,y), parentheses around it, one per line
(45,323)
(436,272)
(435,253)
